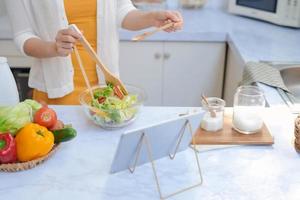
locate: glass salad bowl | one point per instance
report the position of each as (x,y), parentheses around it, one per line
(109,108)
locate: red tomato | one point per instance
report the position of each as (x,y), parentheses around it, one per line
(101,100)
(118,92)
(45,117)
(57,126)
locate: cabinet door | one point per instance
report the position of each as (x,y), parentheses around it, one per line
(141,65)
(234,74)
(192,69)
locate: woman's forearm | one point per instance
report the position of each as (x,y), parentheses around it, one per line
(63,45)
(137,20)
(40,49)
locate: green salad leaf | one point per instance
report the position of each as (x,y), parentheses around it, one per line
(106,92)
(13,118)
(118,110)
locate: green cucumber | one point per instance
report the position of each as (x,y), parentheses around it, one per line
(64,135)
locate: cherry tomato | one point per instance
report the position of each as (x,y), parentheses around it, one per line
(45,117)
(101,100)
(118,92)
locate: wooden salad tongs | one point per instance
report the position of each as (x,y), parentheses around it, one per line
(109,77)
(149,33)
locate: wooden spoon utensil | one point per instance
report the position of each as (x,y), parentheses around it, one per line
(87,82)
(109,77)
(149,33)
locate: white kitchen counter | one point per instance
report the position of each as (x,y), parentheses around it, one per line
(254,40)
(80,168)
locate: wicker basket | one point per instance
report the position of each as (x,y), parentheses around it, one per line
(15,167)
(297,134)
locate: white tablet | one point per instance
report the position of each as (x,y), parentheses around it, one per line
(162,137)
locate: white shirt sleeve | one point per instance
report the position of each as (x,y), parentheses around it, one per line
(124,7)
(20,23)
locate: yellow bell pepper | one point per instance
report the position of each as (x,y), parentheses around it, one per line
(33,141)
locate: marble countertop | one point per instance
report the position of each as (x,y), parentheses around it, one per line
(254,40)
(80,169)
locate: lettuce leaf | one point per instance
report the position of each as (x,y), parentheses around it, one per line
(118,110)
(13,118)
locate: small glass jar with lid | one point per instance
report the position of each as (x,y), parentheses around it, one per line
(249,103)
(213,118)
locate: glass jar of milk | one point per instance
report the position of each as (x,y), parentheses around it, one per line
(249,102)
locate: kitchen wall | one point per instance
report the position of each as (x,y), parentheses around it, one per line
(2,8)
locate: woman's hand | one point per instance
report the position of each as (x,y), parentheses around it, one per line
(161,18)
(65,41)
(62,46)
(137,20)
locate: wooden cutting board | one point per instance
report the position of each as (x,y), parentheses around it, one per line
(229,136)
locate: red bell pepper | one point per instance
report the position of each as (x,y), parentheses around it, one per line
(8,148)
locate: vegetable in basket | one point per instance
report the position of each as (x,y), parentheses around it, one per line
(33,141)
(8,151)
(45,117)
(13,118)
(63,135)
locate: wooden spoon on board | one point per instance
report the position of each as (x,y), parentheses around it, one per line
(109,77)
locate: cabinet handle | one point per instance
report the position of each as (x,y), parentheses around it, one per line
(157,56)
(167,56)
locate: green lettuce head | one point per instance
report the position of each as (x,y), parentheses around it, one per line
(13,118)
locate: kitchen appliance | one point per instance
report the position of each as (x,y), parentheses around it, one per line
(9,92)
(281,12)
(290,72)
(21,76)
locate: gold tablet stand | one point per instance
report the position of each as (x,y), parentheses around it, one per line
(144,140)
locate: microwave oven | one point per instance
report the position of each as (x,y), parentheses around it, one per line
(281,12)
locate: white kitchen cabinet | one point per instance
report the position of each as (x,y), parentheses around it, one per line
(233,76)
(14,56)
(191,69)
(174,73)
(141,65)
